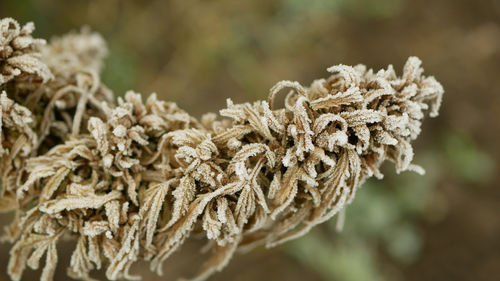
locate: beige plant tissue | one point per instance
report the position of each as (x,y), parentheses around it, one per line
(133,180)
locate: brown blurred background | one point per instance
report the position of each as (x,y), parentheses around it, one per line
(442,226)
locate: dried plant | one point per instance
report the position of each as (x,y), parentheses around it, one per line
(133,180)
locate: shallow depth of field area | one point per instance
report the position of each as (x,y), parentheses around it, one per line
(441,226)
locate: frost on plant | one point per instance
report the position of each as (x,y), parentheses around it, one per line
(133,180)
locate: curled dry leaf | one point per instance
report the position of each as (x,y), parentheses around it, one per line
(132,180)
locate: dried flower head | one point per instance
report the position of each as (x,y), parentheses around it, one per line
(133,180)
(20,53)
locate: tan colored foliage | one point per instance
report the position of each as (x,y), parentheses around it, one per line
(134,180)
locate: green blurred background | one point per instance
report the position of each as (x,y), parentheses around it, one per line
(442,226)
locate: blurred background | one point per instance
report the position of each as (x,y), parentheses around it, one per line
(442,226)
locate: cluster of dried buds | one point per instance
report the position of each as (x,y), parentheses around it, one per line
(133,180)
